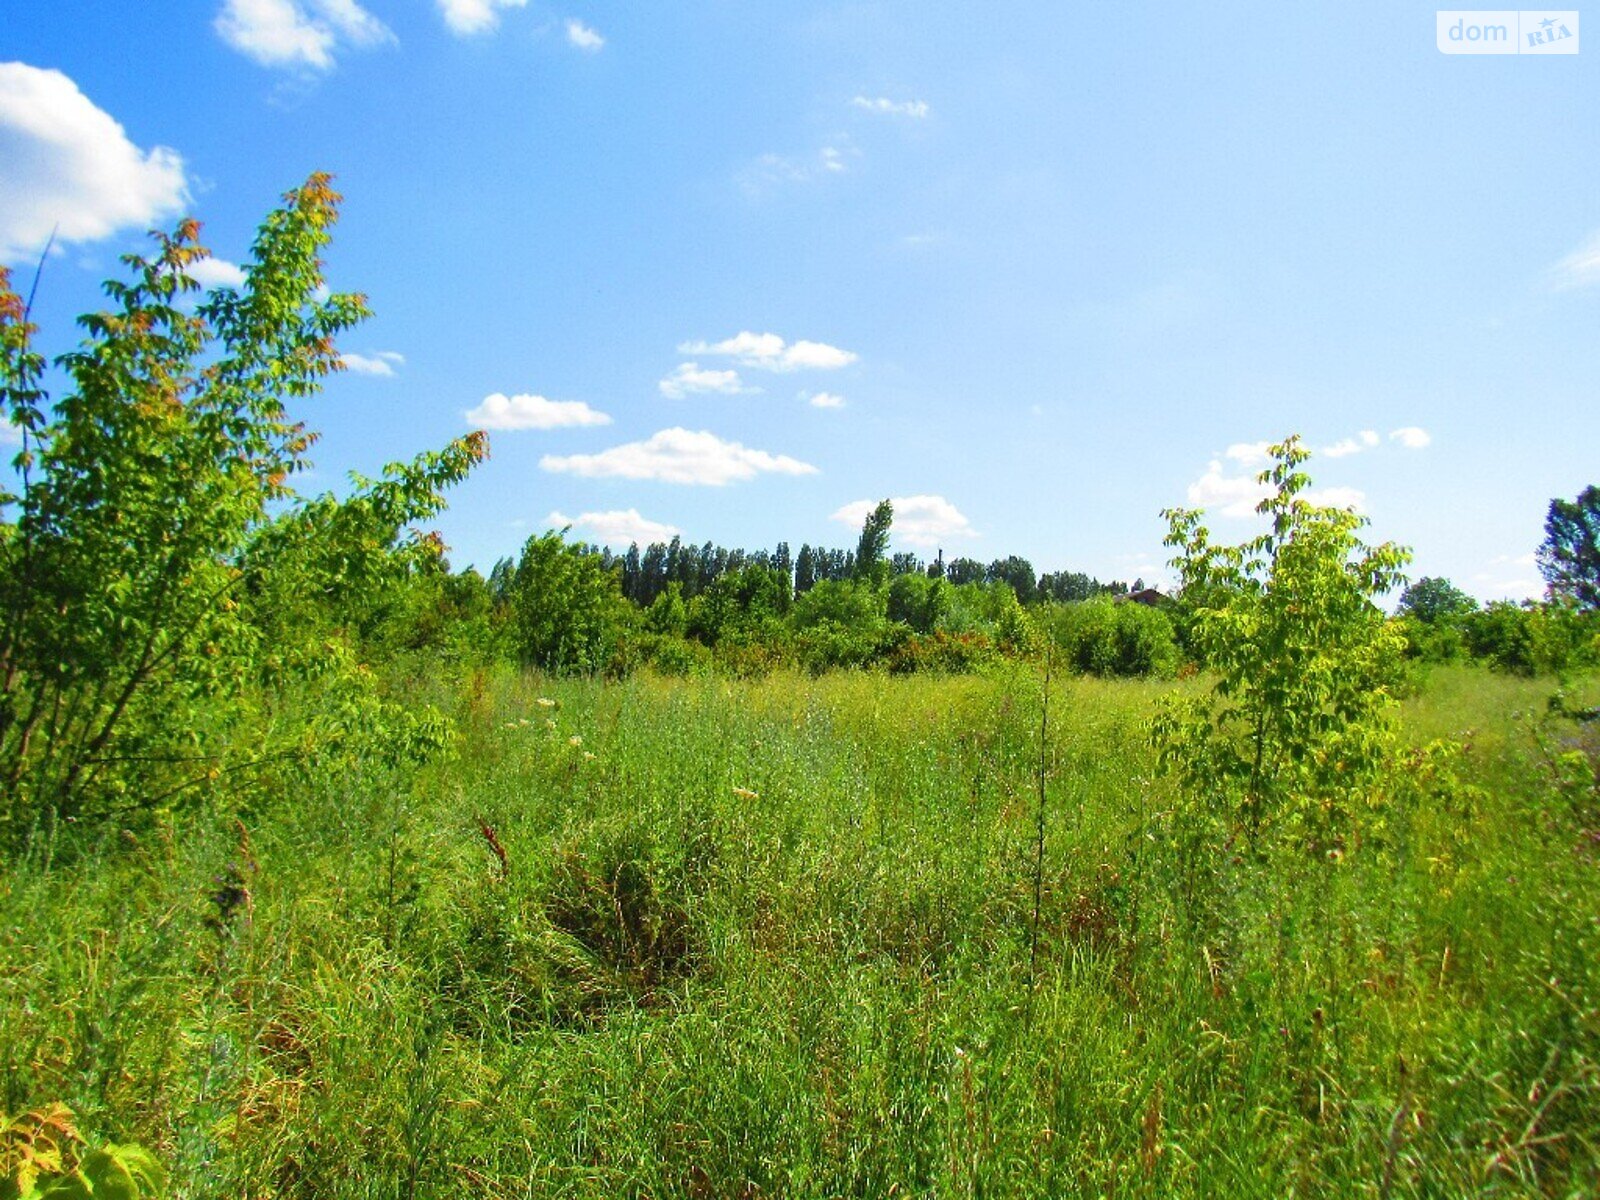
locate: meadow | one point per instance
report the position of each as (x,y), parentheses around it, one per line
(800,936)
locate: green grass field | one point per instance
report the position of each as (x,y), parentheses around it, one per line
(778,938)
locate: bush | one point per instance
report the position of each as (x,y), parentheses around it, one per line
(1111,638)
(941,654)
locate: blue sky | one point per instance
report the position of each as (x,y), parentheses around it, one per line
(733,270)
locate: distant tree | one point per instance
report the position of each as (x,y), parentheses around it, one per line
(905,563)
(667,614)
(870,566)
(633,575)
(964,570)
(570,611)
(1570,556)
(936,567)
(1016,572)
(918,601)
(501,579)
(653,571)
(783,564)
(805,570)
(1435,598)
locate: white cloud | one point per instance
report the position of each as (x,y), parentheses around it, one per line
(499,411)
(1581,268)
(1230,495)
(618,528)
(678,456)
(10,434)
(823,400)
(583,37)
(465,17)
(691,377)
(70,167)
(769,352)
(381,364)
(773,170)
(1411,437)
(890,108)
(918,520)
(1364,440)
(298,33)
(216,272)
(1250,454)
(1337,497)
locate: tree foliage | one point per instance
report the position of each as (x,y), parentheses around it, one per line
(1569,557)
(1296,729)
(151,560)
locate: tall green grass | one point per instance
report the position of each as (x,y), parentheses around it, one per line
(771,938)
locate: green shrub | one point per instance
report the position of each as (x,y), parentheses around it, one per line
(1112,638)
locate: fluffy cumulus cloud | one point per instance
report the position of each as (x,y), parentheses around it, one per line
(769,352)
(584,37)
(217,272)
(69,166)
(499,411)
(466,17)
(1581,268)
(1226,491)
(1364,440)
(1411,437)
(679,456)
(923,521)
(298,33)
(1230,486)
(618,528)
(892,108)
(692,378)
(823,399)
(382,364)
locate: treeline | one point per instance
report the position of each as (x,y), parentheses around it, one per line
(1443,624)
(687,609)
(646,574)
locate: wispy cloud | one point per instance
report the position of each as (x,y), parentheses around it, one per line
(823,399)
(584,37)
(298,33)
(70,167)
(499,411)
(467,17)
(678,456)
(917,109)
(923,521)
(381,364)
(1509,577)
(770,171)
(10,434)
(1411,437)
(617,528)
(691,378)
(769,352)
(1581,268)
